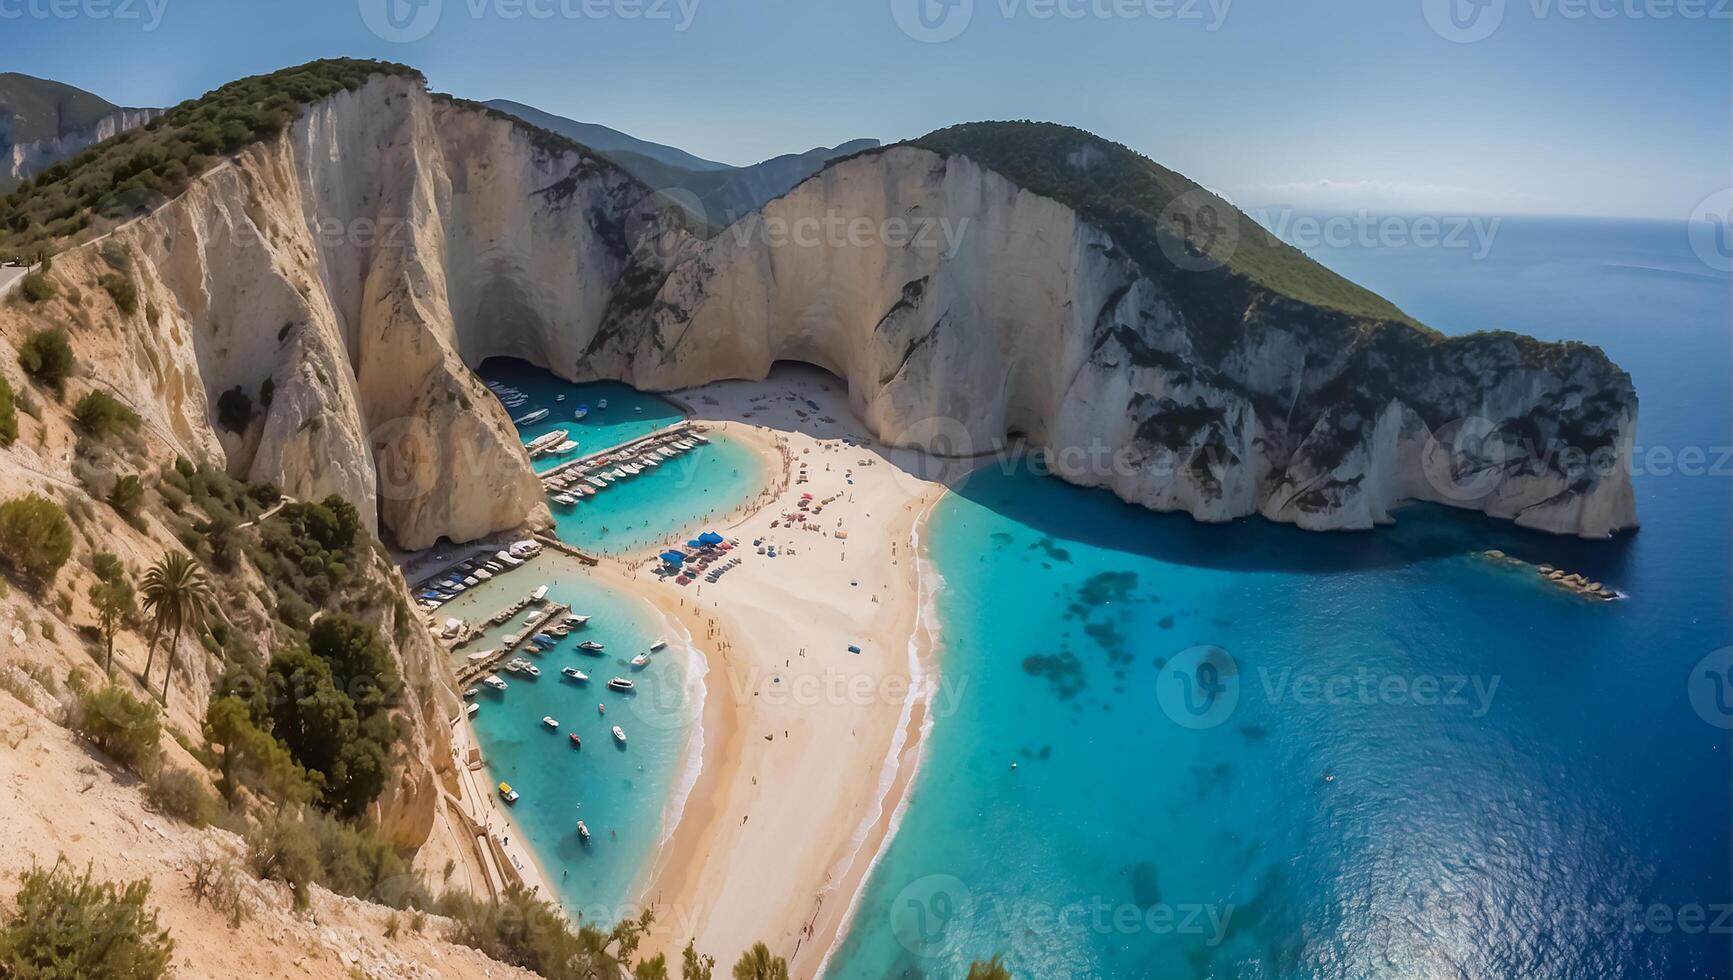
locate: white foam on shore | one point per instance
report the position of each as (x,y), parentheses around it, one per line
(928,583)
(692,762)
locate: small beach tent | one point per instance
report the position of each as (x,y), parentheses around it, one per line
(710,537)
(673,557)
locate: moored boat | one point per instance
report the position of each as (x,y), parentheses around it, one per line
(573,673)
(507,794)
(619,735)
(532,418)
(590,645)
(621,684)
(550,722)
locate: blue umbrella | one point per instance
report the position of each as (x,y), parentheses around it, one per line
(710,537)
(673,557)
(694,543)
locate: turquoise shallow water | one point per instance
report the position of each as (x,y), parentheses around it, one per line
(700,486)
(1251,752)
(630,413)
(620,793)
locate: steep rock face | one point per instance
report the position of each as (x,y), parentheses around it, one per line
(961,308)
(359,262)
(27,159)
(351,269)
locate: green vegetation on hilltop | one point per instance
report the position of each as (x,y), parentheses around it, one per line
(133,172)
(1158,216)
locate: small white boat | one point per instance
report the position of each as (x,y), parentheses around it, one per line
(575,674)
(641,660)
(619,735)
(566,499)
(493,681)
(472,710)
(595,481)
(576,620)
(469,693)
(658,645)
(481,655)
(507,794)
(583,831)
(565,447)
(602,404)
(582,411)
(590,645)
(699,436)
(483,574)
(540,593)
(532,418)
(531,669)
(620,684)
(559,398)
(551,723)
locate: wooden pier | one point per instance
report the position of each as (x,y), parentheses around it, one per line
(471,670)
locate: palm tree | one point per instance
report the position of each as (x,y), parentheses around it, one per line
(177,594)
(757,963)
(112,595)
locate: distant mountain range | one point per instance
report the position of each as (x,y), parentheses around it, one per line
(43,121)
(715,192)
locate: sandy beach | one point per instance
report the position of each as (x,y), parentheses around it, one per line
(807,746)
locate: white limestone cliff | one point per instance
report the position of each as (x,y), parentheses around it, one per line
(389,240)
(25,160)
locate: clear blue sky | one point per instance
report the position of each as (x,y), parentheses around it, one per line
(1323,103)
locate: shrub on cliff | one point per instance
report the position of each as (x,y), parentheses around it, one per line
(182,795)
(67,925)
(37,287)
(8,415)
(46,356)
(125,728)
(122,291)
(101,415)
(35,537)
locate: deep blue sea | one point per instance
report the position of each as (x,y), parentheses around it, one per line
(1166,750)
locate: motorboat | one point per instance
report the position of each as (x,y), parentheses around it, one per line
(493,681)
(576,620)
(469,693)
(550,722)
(532,418)
(658,645)
(540,593)
(573,673)
(641,661)
(582,411)
(566,500)
(577,743)
(472,711)
(602,404)
(566,447)
(507,794)
(590,645)
(619,735)
(621,684)
(583,831)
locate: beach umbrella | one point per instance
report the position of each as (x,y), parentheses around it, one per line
(673,557)
(694,543)
(710,537)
